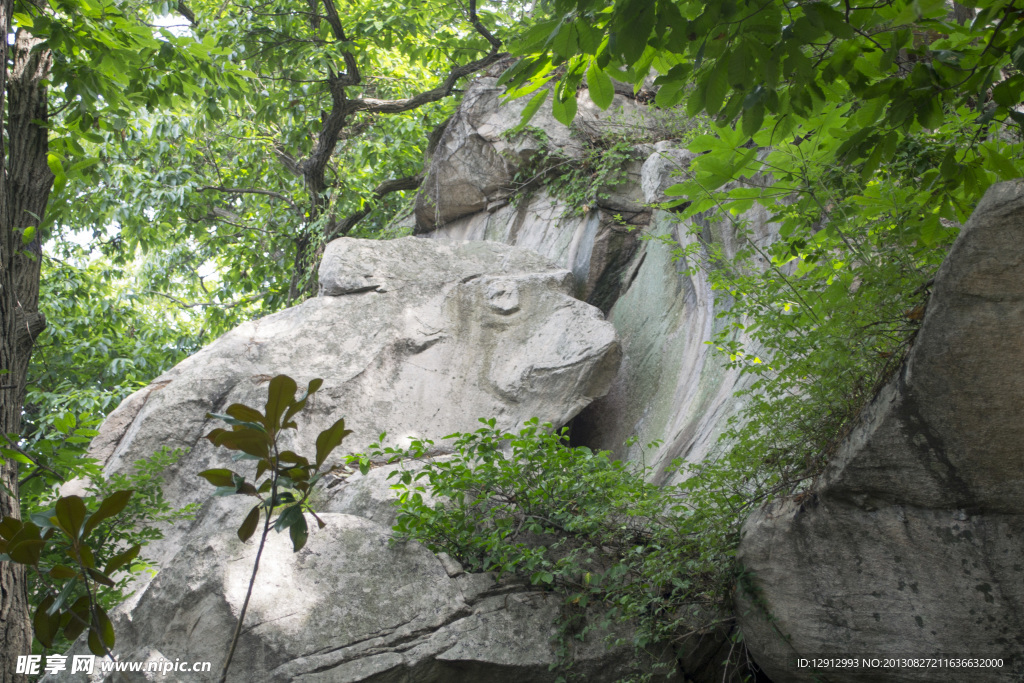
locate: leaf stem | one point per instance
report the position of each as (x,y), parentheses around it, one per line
(255,569)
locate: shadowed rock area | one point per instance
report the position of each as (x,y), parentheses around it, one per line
(910,543)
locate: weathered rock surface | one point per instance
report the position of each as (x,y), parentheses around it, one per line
(473,164)
(350,607)
(671,386)
(910,544)
(414,337)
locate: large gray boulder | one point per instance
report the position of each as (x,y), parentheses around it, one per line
(412,337)
(910,543)
(672,386)
(592,244)
(350,607)
(473,164)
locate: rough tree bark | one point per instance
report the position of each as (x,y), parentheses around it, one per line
(25,184)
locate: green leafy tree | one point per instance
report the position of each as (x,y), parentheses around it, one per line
(222,152)
(866,131)
(68,527)
(69,67)
(321,136)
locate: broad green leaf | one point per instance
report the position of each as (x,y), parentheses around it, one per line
(26,552)
(532,107)
(219,477)
(280,395)
(245,414)
(237,423)
(9,527)
(292,457)
(329,439)
(79,620)
(70,515)
(111,506)
(250,441)
(289,516)
(602,92)
(248,527)
(100,577)
(299,533)
(564,110)
(46,624)
(61,572)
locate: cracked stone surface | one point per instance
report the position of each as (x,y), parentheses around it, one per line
(910,543)
(414,337)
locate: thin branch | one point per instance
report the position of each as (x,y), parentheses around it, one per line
(38,465)
(240,190)
(385,188)
(342,107)
(204,304)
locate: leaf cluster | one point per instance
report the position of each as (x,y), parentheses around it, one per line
(68,525)
(107,539)
(579,182)
(290,477)
(852,83)
(621,551)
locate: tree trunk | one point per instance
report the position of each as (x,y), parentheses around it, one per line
(25,183)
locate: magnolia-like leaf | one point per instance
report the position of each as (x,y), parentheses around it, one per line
(219,477)
(245,414)
(70,515)
(599,84)
(248,527)
(280,395)
(45,623)
(101,633)
(297,474)
(292,457)
(61,572)
(26,552)
(289,516)
(121,559)
(100,577)
(330,439)
(251,441)
(79,618)
(111,506)
(235,423)
(85,555)
(9,527)
(299,533)
(246,489)
(314,386)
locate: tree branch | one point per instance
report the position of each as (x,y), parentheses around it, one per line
(387,187)
(184,11)
(240,190)
(342,107)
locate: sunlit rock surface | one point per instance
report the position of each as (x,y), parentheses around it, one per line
(412,337)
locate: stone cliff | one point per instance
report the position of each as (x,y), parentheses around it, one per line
(510,303)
